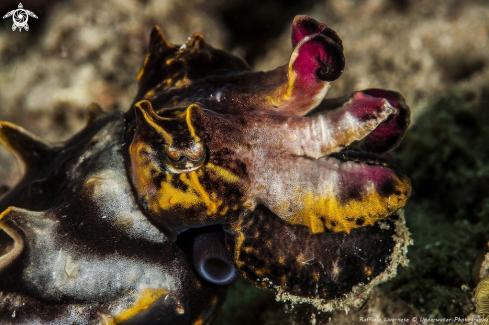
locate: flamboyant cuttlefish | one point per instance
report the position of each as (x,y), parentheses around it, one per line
(215,171)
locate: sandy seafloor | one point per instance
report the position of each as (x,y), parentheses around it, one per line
(434,52)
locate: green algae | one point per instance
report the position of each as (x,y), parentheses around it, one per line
(246,304)
(445,154)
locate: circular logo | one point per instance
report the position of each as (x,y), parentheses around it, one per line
(20,17)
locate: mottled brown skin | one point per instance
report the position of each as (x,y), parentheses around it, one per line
(306,264)
(101,228)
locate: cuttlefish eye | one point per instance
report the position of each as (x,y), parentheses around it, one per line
(194,152)
(185,160)
(173,154)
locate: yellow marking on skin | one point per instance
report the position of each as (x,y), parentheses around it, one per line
(291,77)
(239,243)
(173,200)
(149,94)
(223,173)
(170,196)
(164,83)
(11,137)
(194,180)
(183,177)
(5,212)
(4,139)
(314,223)
(368,271)
(188,118)
(317,276)
(136,148)
(224,210)
(141,72)
(371,207)
(239,240)
(198,322)
(149,119)
(13,252)
(284,94)
(147,298)
(182,82)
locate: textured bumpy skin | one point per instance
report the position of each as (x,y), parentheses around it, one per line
(102,229)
